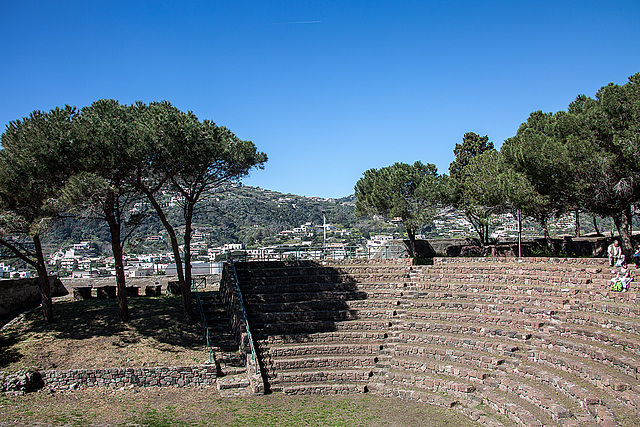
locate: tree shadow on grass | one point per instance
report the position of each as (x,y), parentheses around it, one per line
(159,318)
(8,354)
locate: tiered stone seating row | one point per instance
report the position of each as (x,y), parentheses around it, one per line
(504,341)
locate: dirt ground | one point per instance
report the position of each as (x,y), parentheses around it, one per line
(87,334)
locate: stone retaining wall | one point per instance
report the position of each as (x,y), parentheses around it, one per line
(140,282)
(21,293)
(183,376)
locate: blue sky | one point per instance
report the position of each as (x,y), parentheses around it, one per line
(328,89)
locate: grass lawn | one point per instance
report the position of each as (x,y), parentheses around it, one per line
(203,407)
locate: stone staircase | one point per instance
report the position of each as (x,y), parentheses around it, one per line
(231,371)
(504,341)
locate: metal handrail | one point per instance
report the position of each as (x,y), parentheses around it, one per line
(203,318)
(244,314)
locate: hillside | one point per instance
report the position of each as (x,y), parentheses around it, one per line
(255,216)
(242,214)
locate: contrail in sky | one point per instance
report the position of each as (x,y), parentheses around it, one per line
(303,22)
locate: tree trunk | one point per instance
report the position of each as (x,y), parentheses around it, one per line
(172,235)
(577,231)
(412,241)
(595,225)
(116,247)
(43,280)
(189,313)
(486,233)
(479,227)
(625,228)
(547,236)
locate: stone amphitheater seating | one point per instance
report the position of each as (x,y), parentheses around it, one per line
(505,341)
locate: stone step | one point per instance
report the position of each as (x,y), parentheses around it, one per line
(258,319)
(515,279)
(483,315)
(603,322)
(324,388)
(236,385)
(230,359)
(484,416)
(628,363)
(336,277)
(619,385)
(623,387)
(309,350)
(437,360)
(600,354)
(319,362)
(262,330)
(251,289)
(324,305)
(479,320)
(498,288)
(326,295)
(239,380)
(408,385)
(532,384)
(346,337)
(512,332)
(629,343)
(303,376)
(414,308)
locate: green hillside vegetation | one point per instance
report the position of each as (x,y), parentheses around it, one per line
(240,214)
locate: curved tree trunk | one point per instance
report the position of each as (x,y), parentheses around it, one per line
(479,227)
(43,280)
(595,225)
(172,235)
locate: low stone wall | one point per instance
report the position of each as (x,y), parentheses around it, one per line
(140,282)
(185,376)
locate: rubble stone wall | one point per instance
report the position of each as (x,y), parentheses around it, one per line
(186,376)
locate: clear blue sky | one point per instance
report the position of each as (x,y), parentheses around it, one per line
(328,89)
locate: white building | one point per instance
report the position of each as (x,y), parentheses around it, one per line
(197,268)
